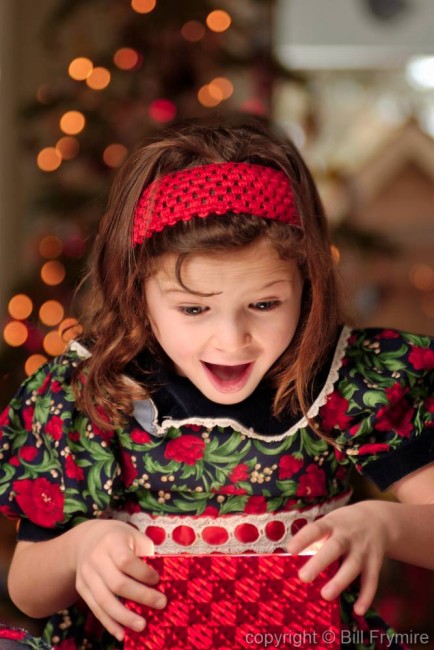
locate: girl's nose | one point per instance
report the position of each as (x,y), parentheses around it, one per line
(232,335)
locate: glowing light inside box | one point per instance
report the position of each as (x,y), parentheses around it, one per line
(72,122)
(99,78)
(126,58)
(193,31)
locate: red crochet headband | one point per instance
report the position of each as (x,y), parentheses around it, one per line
(241,188)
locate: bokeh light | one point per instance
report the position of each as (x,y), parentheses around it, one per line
(15,333)
(422,277)
(69,329)
(224,85)
(20,306)
(49,159)
(126,58)
(114,155)
(80,68)
(34,362)
(53,343)
(206,98)
(72,122)
(99,78)
(218,20)
(336,253)
(68,147)
(52,273)
(162,110)
(43,94)
(50,247)
(51,313)
(193,31)
(143,6)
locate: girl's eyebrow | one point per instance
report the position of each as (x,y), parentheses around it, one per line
(184,291)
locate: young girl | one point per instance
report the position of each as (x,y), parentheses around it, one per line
(215,384)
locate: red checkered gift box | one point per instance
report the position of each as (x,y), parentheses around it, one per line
(234,602)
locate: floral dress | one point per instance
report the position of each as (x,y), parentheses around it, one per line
(197,476)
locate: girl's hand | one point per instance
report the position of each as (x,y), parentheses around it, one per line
(356,533)
(108,565)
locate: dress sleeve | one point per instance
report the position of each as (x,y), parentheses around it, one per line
(56,468)
(381,412)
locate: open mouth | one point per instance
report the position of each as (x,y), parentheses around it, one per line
(228,378)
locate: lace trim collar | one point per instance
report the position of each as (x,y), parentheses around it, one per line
(146,413)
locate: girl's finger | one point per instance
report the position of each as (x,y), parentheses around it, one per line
(345,575)
(308,535)
(110,612)
(329,552)
(368,586)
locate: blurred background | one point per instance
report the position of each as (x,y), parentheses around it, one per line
(83,81)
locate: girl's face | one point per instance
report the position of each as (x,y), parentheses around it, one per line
(225,343)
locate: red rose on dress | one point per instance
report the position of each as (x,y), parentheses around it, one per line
(334,412)
(4,417)
(41,389)
(429,404)
(56,387)
(40,500)
(15,461)
(239,473)
(28,453)
(312,483)
(185,449)
(422,358)
(398,414)
(374,448)
(129,470)
(67,644)
(28,417)
(387,334)
(140,437)
(72,469)
(211,511)
(256,505)
(54,427)
(194,427)
(228,489)
(288,466)
(13,634)
(74,436)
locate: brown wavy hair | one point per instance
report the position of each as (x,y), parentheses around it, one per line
(116,328)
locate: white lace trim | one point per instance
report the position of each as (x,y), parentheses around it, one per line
(328,387)
(160,430)
(230,523)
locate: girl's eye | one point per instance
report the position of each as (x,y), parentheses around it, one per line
(265,305)
(194,310)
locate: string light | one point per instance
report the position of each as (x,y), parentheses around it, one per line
(53,273)
(143,6)
(162,110)
(114,155)
(80,68)
(68,147)
(69,329)
(218,20)
(51,313)
(224,85)
(206,98)
(20,307)
(49,159)
(34,362)
(53,343)
(72,122)
(50,247)
(193,31)
(15,333)
(126,58)
(98,79)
